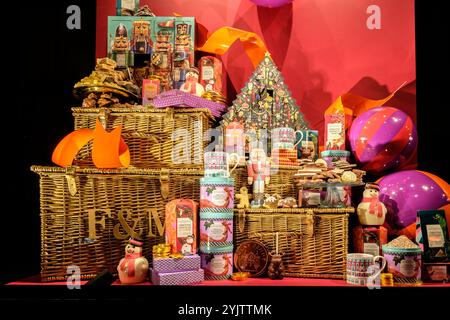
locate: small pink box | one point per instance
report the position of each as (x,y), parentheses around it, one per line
(177,278)
(187,263)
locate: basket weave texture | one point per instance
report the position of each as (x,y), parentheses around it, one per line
(169,138)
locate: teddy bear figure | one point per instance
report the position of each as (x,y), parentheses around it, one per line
(276,268)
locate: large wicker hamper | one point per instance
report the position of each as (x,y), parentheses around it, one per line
(87,215)
(314,241)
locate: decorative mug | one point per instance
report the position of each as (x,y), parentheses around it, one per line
(361,267)
(284,138)
(217,163)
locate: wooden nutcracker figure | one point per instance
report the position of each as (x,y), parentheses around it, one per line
(134,267)
(141,41)
(162,58)
(258,169)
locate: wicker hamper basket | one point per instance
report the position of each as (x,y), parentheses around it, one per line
(87,215)
(314,241)
(168,138)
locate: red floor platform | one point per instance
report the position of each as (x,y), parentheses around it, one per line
(292,282)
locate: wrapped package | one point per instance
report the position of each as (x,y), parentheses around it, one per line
(181,225)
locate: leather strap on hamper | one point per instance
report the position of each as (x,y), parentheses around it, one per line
(71,182)
(164,180)
(311,220)
(103,115)
(241,220)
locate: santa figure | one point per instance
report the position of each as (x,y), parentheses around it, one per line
(134,267)
(258,169)
(191,85)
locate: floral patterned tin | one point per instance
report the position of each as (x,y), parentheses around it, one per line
(217,192)
(218,265)
(216,229)
(404,263)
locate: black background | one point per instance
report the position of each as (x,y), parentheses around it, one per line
(52,59)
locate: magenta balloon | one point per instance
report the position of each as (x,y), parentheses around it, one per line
(405,192)
(271,3)
(382,138)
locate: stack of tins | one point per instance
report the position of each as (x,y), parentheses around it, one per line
(216,226)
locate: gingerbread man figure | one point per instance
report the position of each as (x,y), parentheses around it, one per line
(244,198)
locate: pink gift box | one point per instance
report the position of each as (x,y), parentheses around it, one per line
(178,98)
(177,278)
(186,263)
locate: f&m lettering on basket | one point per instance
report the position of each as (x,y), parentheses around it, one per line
(123,229)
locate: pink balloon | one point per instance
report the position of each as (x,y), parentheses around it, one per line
(271,3)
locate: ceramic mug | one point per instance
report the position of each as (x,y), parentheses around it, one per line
(284,138)
(217,163)
(361,267)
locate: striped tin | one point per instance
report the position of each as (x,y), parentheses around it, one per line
(217,192)
(216,229)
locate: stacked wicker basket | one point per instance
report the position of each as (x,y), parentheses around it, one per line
(87,214)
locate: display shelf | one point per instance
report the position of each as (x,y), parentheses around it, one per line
(297,210)
(332,198)
(265,282)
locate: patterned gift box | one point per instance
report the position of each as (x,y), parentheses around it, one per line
(186,263)
(178,98)
(179,278)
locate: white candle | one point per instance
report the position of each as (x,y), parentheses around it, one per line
(276,245)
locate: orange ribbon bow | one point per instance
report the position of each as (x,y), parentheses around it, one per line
(221,40)
(109,150)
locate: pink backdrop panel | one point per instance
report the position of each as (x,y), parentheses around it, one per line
(324,48)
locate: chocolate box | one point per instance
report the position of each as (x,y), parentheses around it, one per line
(211,71)
(431,235)
(166,43)
(178,278)
(132,5)
(308,144)
(182,264)
(439,271)
(369,239)
(181,225)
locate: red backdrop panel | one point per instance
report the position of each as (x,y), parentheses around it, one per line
(323,47)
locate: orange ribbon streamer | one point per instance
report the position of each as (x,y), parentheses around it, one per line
(221,40)
(67,149)
(354,105)
(109,150)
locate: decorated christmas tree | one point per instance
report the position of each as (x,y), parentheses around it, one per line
(265,102)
